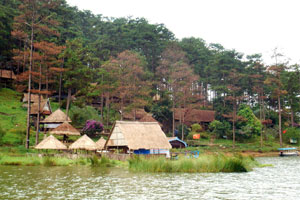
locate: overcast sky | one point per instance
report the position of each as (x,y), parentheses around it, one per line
(248,26)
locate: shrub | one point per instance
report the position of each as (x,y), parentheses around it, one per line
(251,125)
(92,127)
(291,133)
(220,129)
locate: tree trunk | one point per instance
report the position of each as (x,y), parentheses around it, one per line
(173,119)
(233,124)
(107,109)
(68,103)
(279,119)
(29,89)
(60,84)
(101,107)
(47,81)
(39,107)
(292,114)
(260,118)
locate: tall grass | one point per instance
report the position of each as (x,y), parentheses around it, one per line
(34,160)
(102,162)
(205,163)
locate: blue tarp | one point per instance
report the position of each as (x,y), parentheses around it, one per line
(286,149)
(142,151)
(185,144)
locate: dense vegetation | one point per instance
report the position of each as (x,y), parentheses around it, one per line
(58,50)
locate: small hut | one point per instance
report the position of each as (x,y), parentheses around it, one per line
(139,138)
(55,119)
(101,143)
(7,74)
(45,108)
(194,116)
(138,113)
(177,143)
(34,98)
(65,129)
(51,143)
(84,143)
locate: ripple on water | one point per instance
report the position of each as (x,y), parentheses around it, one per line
(81,182)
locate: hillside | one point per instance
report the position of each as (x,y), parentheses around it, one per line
(13,118)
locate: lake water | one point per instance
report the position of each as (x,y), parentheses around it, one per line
(281,181)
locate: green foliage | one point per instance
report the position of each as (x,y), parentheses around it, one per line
(252,125)
(80,115)
(291,133)
(102,162)
(220,129)
(205,163)
(1,135)
(196,128)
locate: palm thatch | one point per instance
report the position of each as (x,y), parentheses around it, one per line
(139,113)
(65,129)
(44,108)
(51,143)
(192,116)
(84,143)
(138,135)
(34,98)
(101,143)
(56,117)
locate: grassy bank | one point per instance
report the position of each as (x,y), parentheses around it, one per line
(205,163)
(35,160)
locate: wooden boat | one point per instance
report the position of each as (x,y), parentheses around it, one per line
(290,151)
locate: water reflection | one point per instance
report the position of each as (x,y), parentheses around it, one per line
(81,182)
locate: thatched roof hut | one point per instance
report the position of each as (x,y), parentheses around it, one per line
(138,135)
(192,116)
(51,143)
(65,129)
(45,108)
(33,99)
(7,74)
(56,117)
(139,113)
(101,143)
(84,143)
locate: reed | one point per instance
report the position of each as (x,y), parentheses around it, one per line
(205,163)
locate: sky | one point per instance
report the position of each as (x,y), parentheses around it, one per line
(248,26)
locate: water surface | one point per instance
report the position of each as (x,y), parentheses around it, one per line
(282,181)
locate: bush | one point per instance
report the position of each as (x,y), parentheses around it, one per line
(251,125)
(92,127)
(220,129)
(291,133)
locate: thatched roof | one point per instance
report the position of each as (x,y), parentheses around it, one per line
(84,143)
(50,143)
(34,98)
(65,129)
(9,74)
(140,113)
(44,108)
(192,116)
(101,143)
(56,117)
(138,135)
(148,118)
